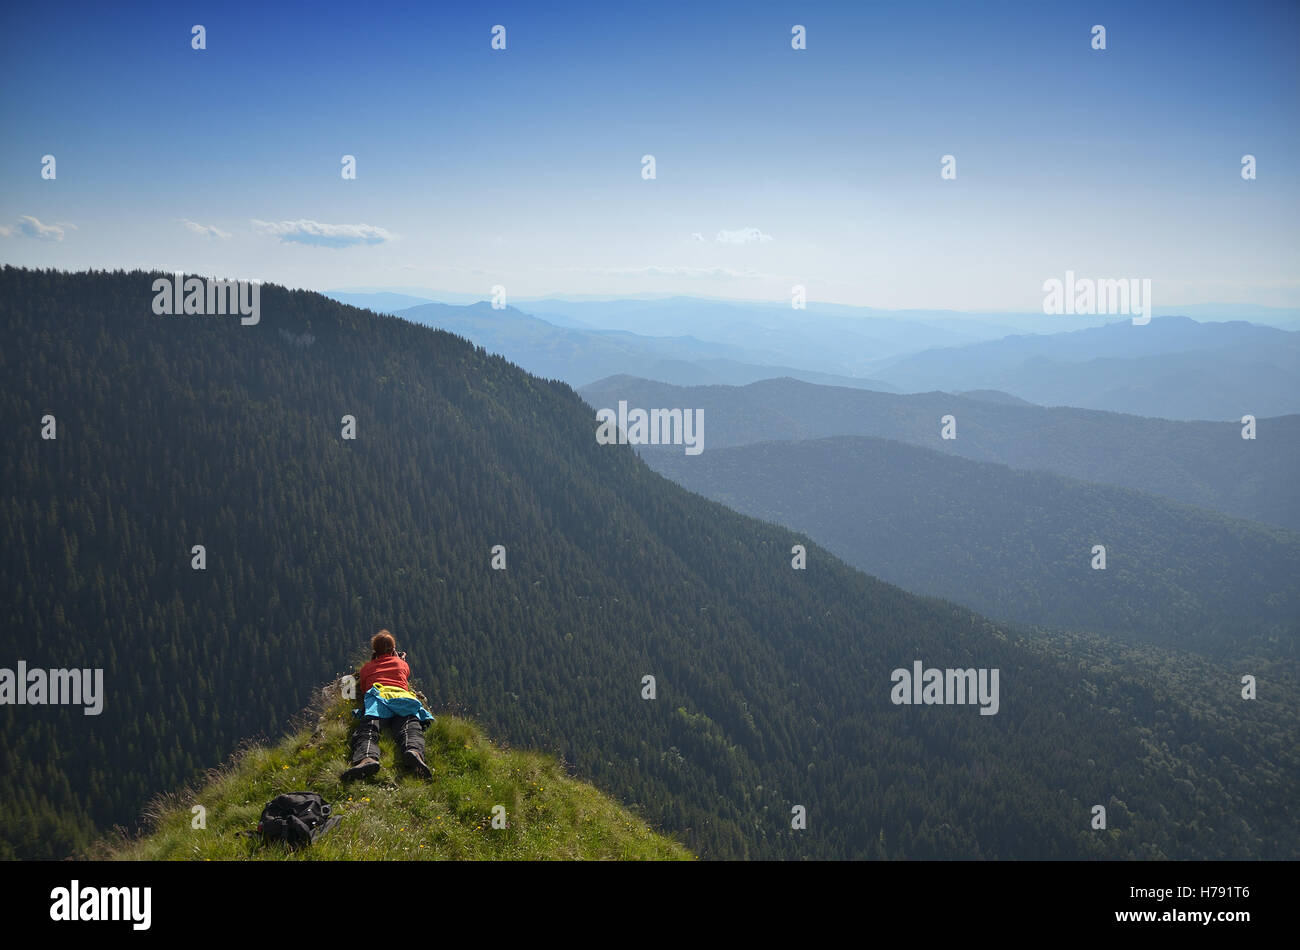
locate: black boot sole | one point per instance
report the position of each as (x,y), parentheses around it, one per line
(360,771)
(418,767)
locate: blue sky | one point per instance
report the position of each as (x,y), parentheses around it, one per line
(522,167)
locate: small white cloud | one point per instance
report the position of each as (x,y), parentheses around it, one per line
(697,236)
(30,227)
(316,234)
(6,232)
(208,230)
(743,236)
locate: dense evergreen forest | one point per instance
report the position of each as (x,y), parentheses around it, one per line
(773,684)
(1019,545)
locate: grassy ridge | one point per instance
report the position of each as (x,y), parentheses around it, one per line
(395,815)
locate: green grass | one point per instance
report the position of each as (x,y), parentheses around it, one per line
(394,815)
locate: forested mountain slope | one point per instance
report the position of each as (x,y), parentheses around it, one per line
(1199,463)
(773,685)
(1019,546)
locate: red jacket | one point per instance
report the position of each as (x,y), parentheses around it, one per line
(389,668)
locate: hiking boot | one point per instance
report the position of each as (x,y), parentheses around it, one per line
(363,769)
(415,762)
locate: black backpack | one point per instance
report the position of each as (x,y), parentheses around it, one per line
(298,818)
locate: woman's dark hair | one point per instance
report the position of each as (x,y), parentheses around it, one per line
(382,642)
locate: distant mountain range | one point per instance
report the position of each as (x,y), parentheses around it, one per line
(1198,463)
(826,337)
(1173,368)
(579,356)
(646,313)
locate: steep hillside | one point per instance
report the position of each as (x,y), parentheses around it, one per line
(1017,545)
(547,815)
(772,686)
(1207,464)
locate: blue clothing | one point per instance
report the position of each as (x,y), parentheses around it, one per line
(382,701)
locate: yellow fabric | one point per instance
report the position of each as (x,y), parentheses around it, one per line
(394,692)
